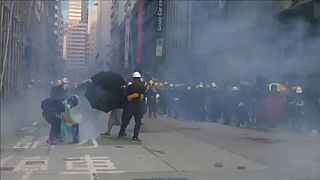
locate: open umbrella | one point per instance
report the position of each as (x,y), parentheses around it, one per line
(106,91)
(108,81)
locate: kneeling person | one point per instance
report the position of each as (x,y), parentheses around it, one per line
(53,112)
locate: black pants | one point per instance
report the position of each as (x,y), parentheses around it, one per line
(55,122)
(54,133)
(131,110)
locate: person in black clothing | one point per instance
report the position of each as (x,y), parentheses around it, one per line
(134,106)
(53,110)
(152,100)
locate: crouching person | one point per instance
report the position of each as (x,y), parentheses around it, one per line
(54,111)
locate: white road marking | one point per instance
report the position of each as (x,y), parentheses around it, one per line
(4,160)
(90,166)
(24,143)
(28,168)
(35,144)
(94,142)
(35,123)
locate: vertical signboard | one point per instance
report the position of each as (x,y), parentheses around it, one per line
(160,27)
(139,31)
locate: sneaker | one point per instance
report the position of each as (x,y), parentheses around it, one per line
(106,134)
(136,140)
(52,142)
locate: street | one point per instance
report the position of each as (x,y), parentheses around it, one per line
(171,149)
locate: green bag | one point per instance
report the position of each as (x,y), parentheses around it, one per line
(64,125)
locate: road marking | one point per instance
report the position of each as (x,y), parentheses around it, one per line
(35,144)
(4,160)
(90,166)
(24,143)
(94,142)
(35,123)
(30,164)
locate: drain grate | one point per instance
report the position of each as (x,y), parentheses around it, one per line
(118,146)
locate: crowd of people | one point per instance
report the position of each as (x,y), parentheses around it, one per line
(262,106)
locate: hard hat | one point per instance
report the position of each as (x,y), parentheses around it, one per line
(214,85)
(156,84)
(129,83)
(166,83)
(189,87)
(136,75)
(51,82)
(299,90)
(201,85)
(161,84)
(235,88)
(65,80)
(171,85)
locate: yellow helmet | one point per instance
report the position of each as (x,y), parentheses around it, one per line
(59,82)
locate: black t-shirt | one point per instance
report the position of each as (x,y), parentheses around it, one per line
(136,87)
(52,104)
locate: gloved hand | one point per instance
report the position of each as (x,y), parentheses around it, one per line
(132,96)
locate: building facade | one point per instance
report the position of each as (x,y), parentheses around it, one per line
(77,40)
(30,46)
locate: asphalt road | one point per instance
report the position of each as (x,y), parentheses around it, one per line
(170,149)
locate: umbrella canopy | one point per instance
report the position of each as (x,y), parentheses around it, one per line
(108,81)
(105,92)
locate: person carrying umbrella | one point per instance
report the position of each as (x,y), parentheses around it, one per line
(133,106)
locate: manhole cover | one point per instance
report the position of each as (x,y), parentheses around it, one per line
(118,146)
(7,168)
(265,140)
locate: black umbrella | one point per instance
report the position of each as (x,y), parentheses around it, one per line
(108,81)
(106,91)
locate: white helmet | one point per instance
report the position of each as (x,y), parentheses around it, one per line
(136,75)
(65,80)
(235,88)
(299,90)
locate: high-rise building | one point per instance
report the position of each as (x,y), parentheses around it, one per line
(92,23)
(77,44)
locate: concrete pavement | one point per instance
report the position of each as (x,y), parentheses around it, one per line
(169,149)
